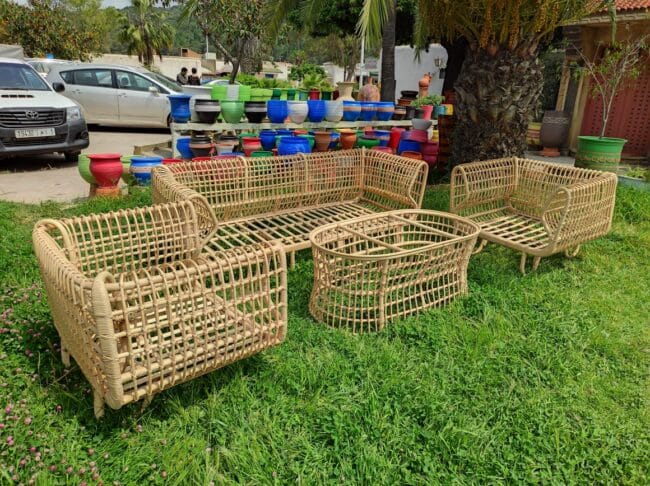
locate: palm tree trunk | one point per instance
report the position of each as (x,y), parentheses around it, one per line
(496,95)
(388,55)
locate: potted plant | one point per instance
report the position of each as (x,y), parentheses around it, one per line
(424,105)
(636,177)
(608,69)
(312,83)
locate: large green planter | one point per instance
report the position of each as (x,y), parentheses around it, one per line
(232,111)
(84,169)
(599,153)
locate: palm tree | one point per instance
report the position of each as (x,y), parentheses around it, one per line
(378,22)
(145,31)
(501,77)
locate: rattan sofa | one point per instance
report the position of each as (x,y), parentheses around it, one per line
(285,198)
(534,207)
(142,305)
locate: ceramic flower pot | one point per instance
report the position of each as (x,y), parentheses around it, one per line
(399,113)
(333,111)
(351,110)
(421,124)
(368,111)
(411,95)
(424,112)
(429,148)
(348,139)
(106,169)
(171,161)
(250,145)
(416,135)
(262,153)
(277,110)
(345,91)
(84,169)
(323,140)
(386,150)
(383,136)
(141,166)
(225,147)
(411,154)
(316,110)
(232,111)
(326,95)
(293,145)
(599,153)
(207,110)
(183,147)
(219,92)
(335,138)
(267,139)
(180,107)
(395,137)
(410,112)
(314,94)
(408,146)
(555,129)
(367,142)
(385,110)
(298,111)
(255,111)
(310,139)
(200,145)
(291,94)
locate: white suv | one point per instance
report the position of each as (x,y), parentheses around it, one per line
(34,117)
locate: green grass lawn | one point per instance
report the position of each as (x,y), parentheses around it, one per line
(536,378)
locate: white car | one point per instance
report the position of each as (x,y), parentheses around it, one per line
(117,95)
(34,117)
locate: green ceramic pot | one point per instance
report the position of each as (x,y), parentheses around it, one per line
(84,169)
(303,95)
(245,93)
(367,142)
(219,92)
(291,94)
(599,153)
(232,111)
(262,153)
(326,95)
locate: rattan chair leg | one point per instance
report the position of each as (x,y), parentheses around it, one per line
(572,252)
(98,404)
(146,401)
(522,264)
(292,259)
(480,247)
(536,261)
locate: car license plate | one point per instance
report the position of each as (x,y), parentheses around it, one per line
(35,132)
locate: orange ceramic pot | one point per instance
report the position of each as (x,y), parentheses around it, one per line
(322,141)
(409,154)
(348,139)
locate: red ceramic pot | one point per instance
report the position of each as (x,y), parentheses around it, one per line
(417,136)
(200,159)
(171,161)
(395,137)
(387,150)
(429,149)
(430,160)
(409,154)
(106,169)
(314,94)
(427,110)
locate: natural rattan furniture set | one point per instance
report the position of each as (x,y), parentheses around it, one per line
(147,298)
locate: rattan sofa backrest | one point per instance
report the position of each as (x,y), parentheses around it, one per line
(526,185)
(126,240)
(240,187)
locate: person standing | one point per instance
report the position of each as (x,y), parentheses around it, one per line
(181,78)
(194,78)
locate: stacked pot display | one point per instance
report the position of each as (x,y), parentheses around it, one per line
(200,144)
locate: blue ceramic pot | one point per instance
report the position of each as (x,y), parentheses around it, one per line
(293,145)
(277,110)
(408,145)
(183,147)
(267,139)
(351,110)
(141,166)
(368,111)
(283,132)
(383,136)
(334,141)
(316,111)
(385,110)
(180,107)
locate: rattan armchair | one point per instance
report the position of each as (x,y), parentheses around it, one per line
(141,305)
(534,207)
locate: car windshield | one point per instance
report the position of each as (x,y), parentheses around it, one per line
(165,81)
(21,77)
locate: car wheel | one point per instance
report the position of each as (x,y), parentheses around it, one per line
(169,120)
(71,156)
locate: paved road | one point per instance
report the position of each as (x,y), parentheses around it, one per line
(48,177)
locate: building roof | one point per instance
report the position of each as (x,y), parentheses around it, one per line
(632,4)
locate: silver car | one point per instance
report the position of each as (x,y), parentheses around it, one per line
(116,95)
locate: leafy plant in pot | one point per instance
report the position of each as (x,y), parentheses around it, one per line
(424,105)
(607,70)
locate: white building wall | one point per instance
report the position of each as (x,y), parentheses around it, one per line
(170,65)
(408,70)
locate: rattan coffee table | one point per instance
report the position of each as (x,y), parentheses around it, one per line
(377,268)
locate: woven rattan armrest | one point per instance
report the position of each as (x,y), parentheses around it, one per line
(580,211)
